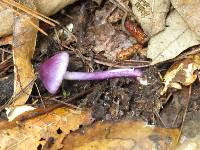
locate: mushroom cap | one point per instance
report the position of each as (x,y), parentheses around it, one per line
(51,72)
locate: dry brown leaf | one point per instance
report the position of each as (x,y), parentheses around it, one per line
(151,14)
(169,43)
(42,130)
(181,72)
(190,11)
(24,40)
(126,135)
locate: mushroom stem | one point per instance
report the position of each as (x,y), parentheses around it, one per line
(53,71)
(101,75)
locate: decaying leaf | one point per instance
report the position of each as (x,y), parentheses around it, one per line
(126,135)
(47,130)
(24,40)
(169,43)
(46,7)
(151,14)
(109,41)
(190,11)
(181,72)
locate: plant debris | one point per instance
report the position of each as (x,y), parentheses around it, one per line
(151,14)
(24,40)
(166,45)
(182,72)
(35,132)
(135,135)
(158,39)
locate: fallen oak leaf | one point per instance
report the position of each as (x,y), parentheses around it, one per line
(169,43)
(181,72)
(124,134)
(26,132)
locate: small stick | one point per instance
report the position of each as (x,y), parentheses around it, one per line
(39,94)
(121,5)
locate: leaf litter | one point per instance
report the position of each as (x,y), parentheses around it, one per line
(135,135)
(106,39)
(24,40)
(182,72)
(166,45)
(151,14)
(189,10)
(35,132)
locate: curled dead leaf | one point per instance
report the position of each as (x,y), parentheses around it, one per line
(181,72)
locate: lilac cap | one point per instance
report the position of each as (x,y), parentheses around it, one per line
(52,71)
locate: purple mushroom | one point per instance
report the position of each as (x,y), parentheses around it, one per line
(53,71)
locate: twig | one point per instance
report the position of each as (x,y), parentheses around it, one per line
(4,50)
(121,5)
(39,94)
(158,116)
(186,107)
(16,96)
(64,103)
(116,64)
